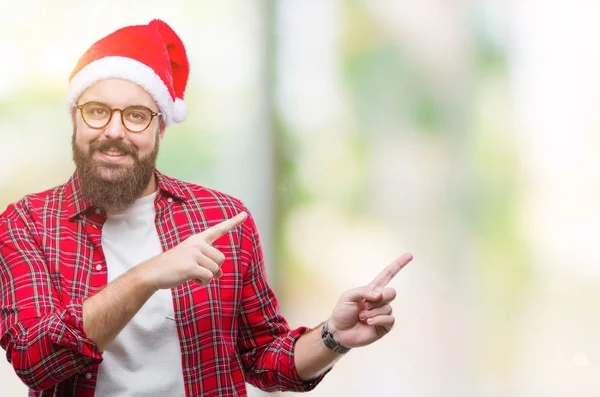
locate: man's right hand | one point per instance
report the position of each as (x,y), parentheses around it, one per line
(193,259)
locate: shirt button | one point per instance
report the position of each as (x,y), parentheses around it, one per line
(170,199)
(88,375)
(98,211)
(98,267)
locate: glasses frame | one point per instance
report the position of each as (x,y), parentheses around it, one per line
(112,111)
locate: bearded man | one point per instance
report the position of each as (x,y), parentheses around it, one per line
(126,282)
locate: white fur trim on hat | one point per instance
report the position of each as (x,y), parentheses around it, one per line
(127,69)
(180,111)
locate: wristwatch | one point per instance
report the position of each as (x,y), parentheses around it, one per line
(330,342)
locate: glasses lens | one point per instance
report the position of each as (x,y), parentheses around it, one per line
(95,114)
(137,118)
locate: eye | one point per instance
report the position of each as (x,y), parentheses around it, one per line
(138,115)
(98,111)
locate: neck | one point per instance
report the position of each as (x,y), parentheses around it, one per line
(151,188)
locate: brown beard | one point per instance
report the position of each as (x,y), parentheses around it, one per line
(125,186)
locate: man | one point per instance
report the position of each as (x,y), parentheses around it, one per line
(125,282)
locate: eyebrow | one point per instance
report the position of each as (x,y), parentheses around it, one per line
(114,107)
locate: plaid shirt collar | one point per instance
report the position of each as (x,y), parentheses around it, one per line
(77,205)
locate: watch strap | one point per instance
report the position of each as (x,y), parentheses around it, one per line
(330,342)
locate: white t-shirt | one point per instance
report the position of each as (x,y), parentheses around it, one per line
(145,358)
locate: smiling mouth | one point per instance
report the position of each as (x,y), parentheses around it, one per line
(112,152)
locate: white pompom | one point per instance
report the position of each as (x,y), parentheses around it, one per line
(180,111)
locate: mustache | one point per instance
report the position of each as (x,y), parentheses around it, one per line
(106,144)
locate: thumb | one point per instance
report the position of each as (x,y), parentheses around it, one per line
(360,293)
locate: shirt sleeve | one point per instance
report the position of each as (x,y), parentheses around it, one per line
(43,336)
(266,342)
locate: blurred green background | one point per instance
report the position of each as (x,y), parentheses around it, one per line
(465,132)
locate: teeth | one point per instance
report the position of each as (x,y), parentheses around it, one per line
(112,152)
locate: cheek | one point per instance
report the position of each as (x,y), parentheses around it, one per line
(83,138)
(145,144)
(85,135)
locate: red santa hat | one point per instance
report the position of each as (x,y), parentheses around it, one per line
(152,56)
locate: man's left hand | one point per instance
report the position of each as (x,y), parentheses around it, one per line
(364,315)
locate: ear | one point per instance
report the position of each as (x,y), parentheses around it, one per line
(162,127)
(74,121)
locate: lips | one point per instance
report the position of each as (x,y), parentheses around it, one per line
(112,152)
(113,155)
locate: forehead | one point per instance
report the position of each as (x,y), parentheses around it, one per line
(118,93)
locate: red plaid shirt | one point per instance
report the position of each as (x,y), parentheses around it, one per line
(51,260)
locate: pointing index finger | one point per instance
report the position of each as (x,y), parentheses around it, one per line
(216,231)
(390,271)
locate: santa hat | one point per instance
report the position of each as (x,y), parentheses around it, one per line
(151,56)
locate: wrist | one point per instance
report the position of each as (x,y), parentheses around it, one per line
(144,275)
(329,337)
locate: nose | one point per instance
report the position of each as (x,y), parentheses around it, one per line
(114,129)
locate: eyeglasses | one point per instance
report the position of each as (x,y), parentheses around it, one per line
(135,119)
